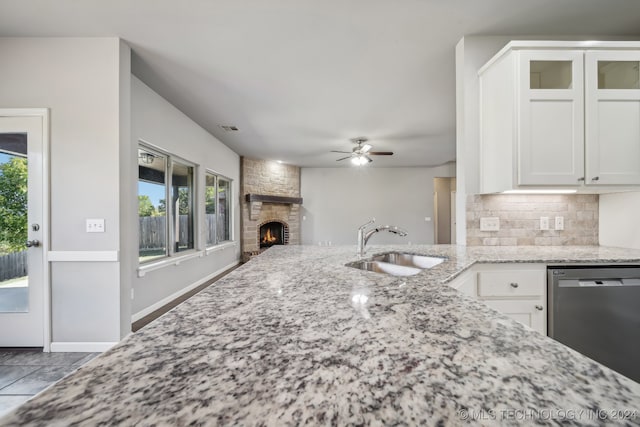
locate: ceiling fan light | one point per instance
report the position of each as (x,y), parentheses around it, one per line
(360,160)
(366,147)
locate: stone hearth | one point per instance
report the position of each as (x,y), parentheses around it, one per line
(270,193)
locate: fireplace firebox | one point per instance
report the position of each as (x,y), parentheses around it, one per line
(273,233)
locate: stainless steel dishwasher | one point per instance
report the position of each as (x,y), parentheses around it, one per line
(596,311)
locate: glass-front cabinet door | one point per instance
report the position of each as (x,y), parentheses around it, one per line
(550,148)
(612,112)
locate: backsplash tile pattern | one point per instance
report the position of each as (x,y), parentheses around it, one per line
(520,219)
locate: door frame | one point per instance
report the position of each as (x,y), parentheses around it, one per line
(44,114)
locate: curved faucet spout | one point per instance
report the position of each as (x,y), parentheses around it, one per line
(363,237)
(390,228)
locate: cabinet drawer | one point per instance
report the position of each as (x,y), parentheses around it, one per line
(523,283)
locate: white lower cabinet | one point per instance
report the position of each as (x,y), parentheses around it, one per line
(526,311)
(517,290)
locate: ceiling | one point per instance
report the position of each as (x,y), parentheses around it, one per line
(300,77)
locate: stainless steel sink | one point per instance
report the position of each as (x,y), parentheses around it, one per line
(397,263)
(385,267)
(409,260)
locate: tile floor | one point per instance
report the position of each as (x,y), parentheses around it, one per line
(24,373)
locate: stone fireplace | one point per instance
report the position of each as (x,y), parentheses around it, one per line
(270,205)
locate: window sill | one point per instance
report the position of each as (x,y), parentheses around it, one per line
(174,260)
(220,247)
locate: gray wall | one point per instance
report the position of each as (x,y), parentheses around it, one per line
(156,121)
(80,80)
(338,200)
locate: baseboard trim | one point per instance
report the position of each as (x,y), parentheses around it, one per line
(146,311)
(81,347)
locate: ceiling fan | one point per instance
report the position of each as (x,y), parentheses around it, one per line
(360,154)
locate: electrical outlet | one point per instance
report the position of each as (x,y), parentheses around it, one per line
(559,223)
(95,225)
(544,223)
(490,223)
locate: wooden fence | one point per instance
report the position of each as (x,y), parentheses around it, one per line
(13,265)
(153,231)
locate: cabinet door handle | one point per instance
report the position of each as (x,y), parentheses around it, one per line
(539,307)
(513,285)
(595,178)
(581,178)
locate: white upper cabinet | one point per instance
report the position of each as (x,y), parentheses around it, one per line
(612,125)
(550,149)
(560,114)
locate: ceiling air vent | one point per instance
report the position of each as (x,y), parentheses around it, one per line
(229,128)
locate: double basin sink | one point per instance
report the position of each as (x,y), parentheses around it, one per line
(397,263)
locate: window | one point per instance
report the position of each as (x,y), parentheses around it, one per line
(217,209)
(162,178)
(224,210)
(210,208)
(152,214)
(182,203)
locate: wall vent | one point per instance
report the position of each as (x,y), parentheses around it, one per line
(229,128)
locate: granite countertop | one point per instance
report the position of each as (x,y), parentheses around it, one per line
(296,337)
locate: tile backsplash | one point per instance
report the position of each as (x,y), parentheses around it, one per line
(520,219)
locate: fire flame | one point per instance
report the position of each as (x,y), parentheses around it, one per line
(268,237)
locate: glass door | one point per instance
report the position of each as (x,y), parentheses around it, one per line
(21,214)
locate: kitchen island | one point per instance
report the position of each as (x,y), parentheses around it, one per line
(296,337)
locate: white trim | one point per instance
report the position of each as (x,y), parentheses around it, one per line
(220,247)
(44,114)
(81,347)
(153,307)
(82,256)
(551,45)
(166,261)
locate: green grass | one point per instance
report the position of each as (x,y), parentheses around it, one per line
(149,254)
(9,282)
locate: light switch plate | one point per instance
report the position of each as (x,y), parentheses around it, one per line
(544,223)
(95,225)
(559,223)
(490,223)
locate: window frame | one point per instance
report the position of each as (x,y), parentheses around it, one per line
(170,252)
(230,213)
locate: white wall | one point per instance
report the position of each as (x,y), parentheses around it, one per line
(471,54)
(620,220)
(80,80)
(337,200)
(156,121)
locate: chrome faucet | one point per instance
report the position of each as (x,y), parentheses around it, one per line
(363,237)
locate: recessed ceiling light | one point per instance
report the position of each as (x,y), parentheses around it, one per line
(279,161)
(229,128)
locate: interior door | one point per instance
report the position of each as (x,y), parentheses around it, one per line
(22,269)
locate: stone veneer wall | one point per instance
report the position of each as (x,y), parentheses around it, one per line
(272,179)
(520,219)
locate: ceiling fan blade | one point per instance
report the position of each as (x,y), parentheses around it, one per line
(365,148)
(344,152)
(381,153)
(344,158)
